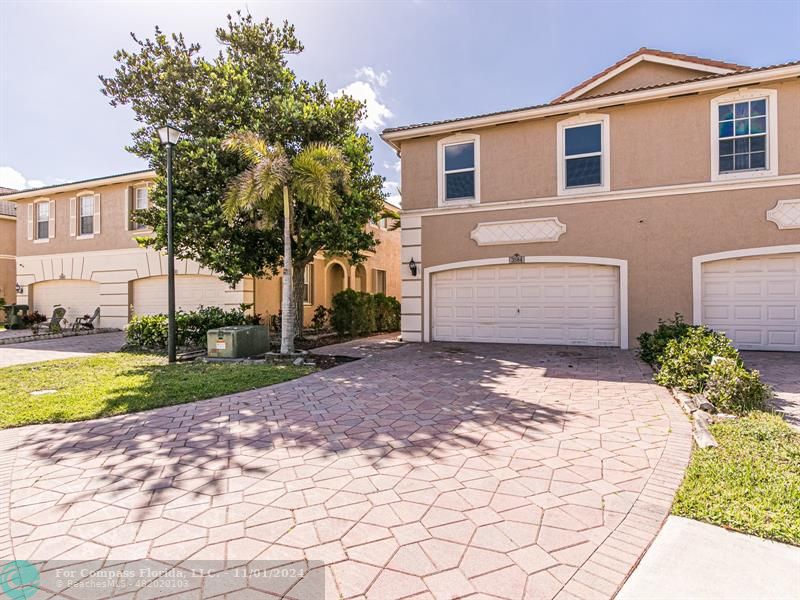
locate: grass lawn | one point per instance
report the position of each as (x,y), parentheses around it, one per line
(750,483)
(118,383)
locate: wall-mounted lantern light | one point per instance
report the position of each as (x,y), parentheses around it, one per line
(412,266)
(19,289)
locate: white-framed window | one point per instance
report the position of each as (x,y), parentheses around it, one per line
(42,210)
(459,169)
(584,150)
(744,134)
(308,284)
(140,202)
(86,215)
(380,281)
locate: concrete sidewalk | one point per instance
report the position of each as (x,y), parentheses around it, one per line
(698,561)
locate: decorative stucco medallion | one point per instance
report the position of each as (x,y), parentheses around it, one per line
(786,214)
(548,229)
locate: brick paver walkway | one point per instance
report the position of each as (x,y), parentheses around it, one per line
(435,471)
(782,371)
(69,347)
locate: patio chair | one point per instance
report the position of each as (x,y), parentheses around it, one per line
(54,325)
(86,321)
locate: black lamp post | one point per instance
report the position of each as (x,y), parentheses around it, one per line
(169,137)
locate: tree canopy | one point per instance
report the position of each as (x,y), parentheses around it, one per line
(247,86)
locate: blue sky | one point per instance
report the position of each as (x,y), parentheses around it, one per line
(412,60)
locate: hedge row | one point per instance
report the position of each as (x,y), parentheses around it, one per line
(150,331)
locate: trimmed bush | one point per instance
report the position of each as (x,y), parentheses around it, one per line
(358,313)
(387,312)
(652,345)
(685,361)
(150,331)
(732,388)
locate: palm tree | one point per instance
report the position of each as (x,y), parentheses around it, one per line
(272,185)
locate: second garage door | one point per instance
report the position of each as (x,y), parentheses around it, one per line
(575,304)
(754,300)
(191,292)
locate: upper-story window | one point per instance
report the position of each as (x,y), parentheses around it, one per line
(140,202)
(459,169)
(583,154)
(42,220)
(744,134)
(86,216)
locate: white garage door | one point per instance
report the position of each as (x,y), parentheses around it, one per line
(79,298)
(191,292)
(754,300)
(544,303)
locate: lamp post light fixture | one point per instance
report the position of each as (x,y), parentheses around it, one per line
(169,136)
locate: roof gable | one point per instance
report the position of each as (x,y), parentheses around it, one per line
(648,67)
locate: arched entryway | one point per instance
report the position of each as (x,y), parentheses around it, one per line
(360,283)
(335,280)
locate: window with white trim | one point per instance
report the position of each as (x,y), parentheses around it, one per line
(308,278)
(86,215)
(583,154)
(459,169)
(744,134)
(140,202)
(42,220)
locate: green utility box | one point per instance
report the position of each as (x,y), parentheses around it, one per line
(237,341)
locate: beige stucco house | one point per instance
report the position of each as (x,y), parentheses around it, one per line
(76,246)
(8,238)
(667,183)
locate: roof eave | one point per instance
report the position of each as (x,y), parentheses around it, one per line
(393,137)
(78,185)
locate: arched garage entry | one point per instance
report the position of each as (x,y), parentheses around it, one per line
(79,297)
(571,300)
(149,294)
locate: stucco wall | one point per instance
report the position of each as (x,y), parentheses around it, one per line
(8,262)
(114,233)
(644,73)
(657,236)
(656,143)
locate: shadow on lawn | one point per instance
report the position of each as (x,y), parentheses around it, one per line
(433,401)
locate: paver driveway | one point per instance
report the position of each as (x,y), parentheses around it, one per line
(782,371)
(428,471)
(69,347)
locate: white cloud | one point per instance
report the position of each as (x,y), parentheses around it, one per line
(11,178)
(380,78)
(365,89)
(392,191)
(392,166)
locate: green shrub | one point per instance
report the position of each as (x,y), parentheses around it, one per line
(387,312)
(652,345)
(358,313)
(320,318)
(685,361)
(150,331)
(732,388)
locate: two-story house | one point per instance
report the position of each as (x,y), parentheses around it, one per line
(76,247)
(8,237)
(666,183)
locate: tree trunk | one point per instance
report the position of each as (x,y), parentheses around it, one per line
(287,306)
(298,294)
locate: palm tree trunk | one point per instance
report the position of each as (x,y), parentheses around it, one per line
(298,296)
(287,306)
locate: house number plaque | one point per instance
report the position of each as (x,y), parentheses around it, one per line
(516,259)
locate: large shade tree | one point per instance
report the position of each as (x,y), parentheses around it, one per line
(245,86)
(273,185)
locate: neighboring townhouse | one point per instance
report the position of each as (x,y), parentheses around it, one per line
(324,277)
(8,236)
(667,183)
(76,247)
